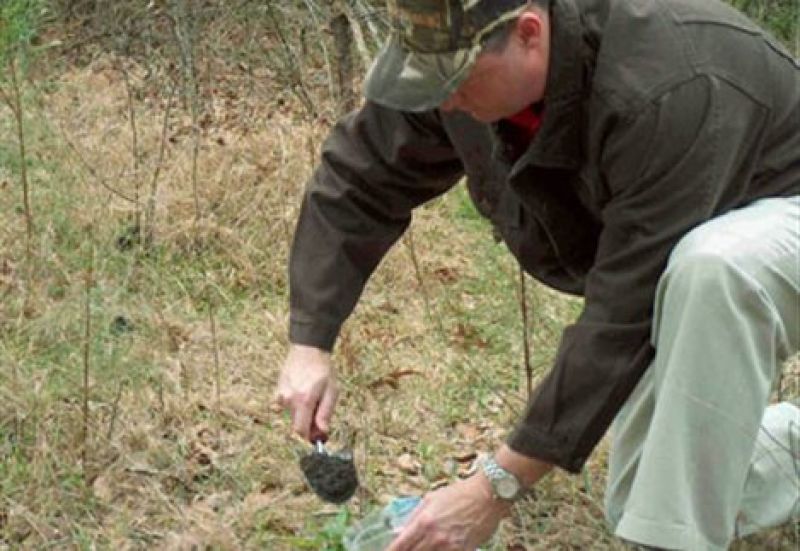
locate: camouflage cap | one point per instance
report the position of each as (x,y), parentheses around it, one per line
(432,48)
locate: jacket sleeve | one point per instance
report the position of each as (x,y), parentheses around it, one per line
(667,168)
(376,166)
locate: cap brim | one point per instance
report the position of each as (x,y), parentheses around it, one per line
(409,81)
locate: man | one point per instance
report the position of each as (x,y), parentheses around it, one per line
(644,154)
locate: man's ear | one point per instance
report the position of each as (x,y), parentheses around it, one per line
(529,28)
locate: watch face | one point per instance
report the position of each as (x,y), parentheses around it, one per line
(507,488)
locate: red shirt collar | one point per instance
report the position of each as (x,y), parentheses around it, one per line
(528,120)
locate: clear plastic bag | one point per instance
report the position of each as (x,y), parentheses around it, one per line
(377,530)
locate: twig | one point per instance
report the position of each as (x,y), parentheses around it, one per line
(184,30)
(292,65)
(217,371)
(490,385)
(79,155)
(86,347)
(409,242)
(162,405)
(18,114)
(358,37)
(523,303)
(185,381)
(195,149)
(115,411)
(134,149)
(325,56)
(90,169)
(287,230)
(343,35)
(370,15)
(151,201)
(6,99)
(16,392)
(365,467)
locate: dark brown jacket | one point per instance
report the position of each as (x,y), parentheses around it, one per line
(659,115)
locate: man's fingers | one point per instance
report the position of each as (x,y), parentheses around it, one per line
(301,418)
(325,409)
(305,378)
(408,538)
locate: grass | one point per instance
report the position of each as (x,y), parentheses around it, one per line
(431,364)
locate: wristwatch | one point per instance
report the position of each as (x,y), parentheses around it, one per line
(504,484)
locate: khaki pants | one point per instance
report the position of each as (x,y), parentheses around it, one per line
(697,457)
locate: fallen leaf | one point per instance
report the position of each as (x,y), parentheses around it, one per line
(465,456)
(392,379)
(439,483)
(102,489)
(408,464)
(468,431)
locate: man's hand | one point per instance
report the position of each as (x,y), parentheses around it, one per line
(459,517)
(307,388)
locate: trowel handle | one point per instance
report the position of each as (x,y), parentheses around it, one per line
(316,433)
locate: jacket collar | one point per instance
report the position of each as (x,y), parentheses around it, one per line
(558,142)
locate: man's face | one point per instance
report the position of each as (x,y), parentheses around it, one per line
(503,83)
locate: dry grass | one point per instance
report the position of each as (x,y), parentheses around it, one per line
(170,467)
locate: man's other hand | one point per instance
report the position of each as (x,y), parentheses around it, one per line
(459,517)
(307,389)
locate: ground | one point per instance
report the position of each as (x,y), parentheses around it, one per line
(142,328)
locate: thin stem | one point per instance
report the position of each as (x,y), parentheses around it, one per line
(86,348)
(134,148)
(358,36)
(91,170)
(292,65)
(18,115)
(184,30)
(343,40)
(284,194)
(409,241)
(151,201)
(115,411)
(523,301)
(370,15)
(195,154)
(16,391)
(325,56)
(217,370)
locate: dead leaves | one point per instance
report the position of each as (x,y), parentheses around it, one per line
(446,275)
(392,380)
(208,526)
(412,473)
(408,464)
(468,336)
(102,487)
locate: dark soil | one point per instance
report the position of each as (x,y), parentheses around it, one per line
(332,476)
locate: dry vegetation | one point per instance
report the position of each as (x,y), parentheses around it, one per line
(143,309)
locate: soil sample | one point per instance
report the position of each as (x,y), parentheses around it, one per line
(332,476)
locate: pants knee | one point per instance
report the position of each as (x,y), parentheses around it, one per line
(705,277)
(706,280)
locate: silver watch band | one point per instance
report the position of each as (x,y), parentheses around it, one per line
(505,485)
